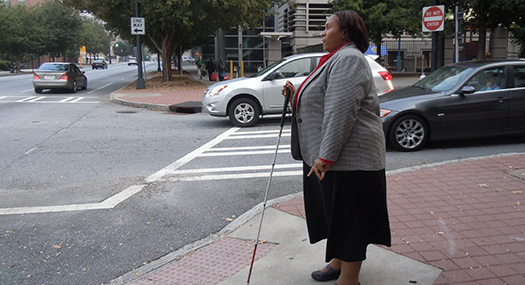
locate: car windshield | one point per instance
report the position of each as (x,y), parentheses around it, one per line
(444,78)
(53,67)
(98,61)
(264,70)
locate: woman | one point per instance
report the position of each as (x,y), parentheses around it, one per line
(336,112)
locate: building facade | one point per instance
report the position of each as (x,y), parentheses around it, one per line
(304,21)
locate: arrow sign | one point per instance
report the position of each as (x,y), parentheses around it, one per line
(433,18)
(137,26)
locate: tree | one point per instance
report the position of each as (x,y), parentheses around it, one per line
(95,37)
(63,25)
(489,14)
(386,17)
(122,48)
(175,24)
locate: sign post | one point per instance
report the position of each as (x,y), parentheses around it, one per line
(434,21)
(138,28)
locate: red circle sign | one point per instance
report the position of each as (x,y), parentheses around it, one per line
(433,18)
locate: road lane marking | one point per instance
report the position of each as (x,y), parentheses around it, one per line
(109,203)
(236,176)
(190,156)
(26,99)
(104,86)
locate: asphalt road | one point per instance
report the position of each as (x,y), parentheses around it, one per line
(101,189)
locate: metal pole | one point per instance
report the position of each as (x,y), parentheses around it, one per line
(141,84)
(434,57)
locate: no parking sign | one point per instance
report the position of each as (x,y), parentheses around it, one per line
(433,18)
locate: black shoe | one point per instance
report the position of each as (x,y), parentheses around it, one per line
(326,276)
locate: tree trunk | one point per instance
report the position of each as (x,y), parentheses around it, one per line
(167,51)
(482,36)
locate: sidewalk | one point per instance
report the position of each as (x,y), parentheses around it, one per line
(457,222)
(174,100)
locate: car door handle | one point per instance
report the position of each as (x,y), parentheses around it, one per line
(501,99)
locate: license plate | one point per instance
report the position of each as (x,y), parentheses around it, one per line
(49,77)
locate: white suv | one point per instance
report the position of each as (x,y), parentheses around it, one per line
(244,99)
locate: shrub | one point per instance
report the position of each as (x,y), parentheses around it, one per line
(4,65)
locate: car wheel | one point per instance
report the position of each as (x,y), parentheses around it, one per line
(408,133)
(75,87)
(38,90)
(244,112)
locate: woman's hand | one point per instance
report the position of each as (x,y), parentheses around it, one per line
(320,168)
(290,86)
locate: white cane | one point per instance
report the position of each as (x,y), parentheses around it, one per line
(285,107)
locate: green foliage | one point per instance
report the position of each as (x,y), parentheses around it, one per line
(95,37)
(121,48)
(386,17)
(48,29)
(4,65)
(175,24)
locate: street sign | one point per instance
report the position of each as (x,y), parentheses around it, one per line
(433,18)
(137,26)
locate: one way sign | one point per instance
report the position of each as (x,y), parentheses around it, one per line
(137,26)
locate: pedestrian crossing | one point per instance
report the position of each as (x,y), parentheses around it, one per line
(48,99)
(254,143)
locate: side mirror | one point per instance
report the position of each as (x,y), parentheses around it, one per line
(467,90)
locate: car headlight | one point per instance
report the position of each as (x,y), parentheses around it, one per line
(384,112)
(216,90)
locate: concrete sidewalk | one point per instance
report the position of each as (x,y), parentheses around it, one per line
(457,222)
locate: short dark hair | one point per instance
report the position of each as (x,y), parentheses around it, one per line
(354,28)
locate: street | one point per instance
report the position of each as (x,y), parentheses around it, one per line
(90,190)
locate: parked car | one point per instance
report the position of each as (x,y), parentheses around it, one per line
(99,63)
(188,59)
(243,100)
(458,101)
(132,60)
(59,75)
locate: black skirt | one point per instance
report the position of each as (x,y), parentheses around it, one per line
(349,209)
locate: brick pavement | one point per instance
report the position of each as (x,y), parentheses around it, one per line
(466,218)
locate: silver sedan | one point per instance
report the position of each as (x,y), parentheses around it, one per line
(59,75)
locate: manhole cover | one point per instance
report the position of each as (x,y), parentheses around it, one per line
(126,112)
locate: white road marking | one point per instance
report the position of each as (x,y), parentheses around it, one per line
(109,203)
(99,88)
(237,176)
(196,153)
(39,99)
(26,99)
(182,175)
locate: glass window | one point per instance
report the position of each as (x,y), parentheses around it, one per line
(296,68)
(444,78)
(488,79)
(519,76)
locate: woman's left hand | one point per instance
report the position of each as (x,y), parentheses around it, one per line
(320,168)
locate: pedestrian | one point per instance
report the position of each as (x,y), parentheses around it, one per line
(222,70)
(199,67)
(338,133)
(211,67)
